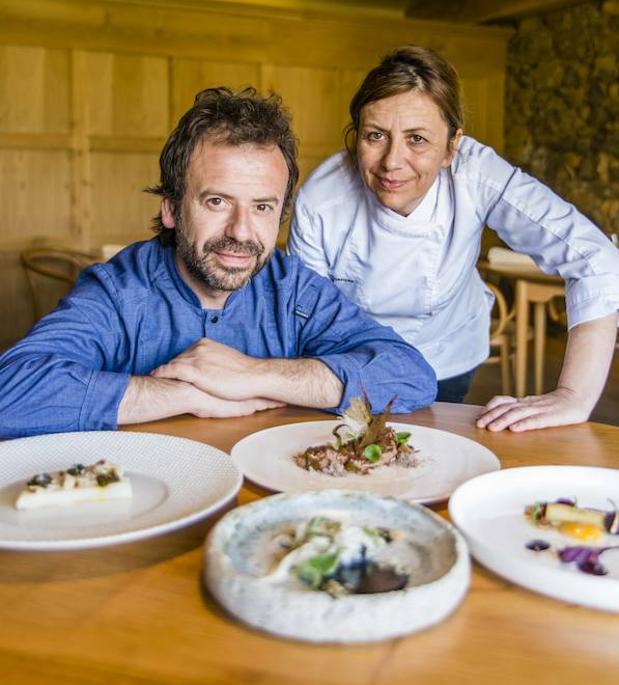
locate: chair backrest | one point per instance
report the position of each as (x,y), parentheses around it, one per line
(51,273)
(501,315)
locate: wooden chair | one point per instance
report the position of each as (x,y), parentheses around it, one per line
(51,273)
(501,329)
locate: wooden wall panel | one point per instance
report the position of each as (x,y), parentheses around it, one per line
(312,96)
(34,195)
(126,95)
(121,211)
(189,76)
(90,90)
(34,89)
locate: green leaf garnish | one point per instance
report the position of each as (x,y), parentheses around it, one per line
(321,525)
(372,452)
(313,570)
(402,437)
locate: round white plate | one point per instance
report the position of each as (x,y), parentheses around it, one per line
(444,460)
(175,482)
(489,511)
(240,553)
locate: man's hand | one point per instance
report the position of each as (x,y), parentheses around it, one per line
(150,399)
(557,408)
(215,368)
(224,372)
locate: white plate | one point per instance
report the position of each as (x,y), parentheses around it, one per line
(175,482)
(445,461)
(239,553)
(489,512)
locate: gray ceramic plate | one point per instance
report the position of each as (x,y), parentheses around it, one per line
(238,561)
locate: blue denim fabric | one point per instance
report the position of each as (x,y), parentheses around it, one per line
(134,313)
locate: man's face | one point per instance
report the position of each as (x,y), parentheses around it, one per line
(229,218)
(401,147)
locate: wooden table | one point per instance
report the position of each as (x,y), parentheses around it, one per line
(535,287)
(136,613)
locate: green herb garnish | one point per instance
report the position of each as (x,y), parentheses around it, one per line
(402,437)
(372,452)
(314,570)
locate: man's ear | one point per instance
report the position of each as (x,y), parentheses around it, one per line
(167,213)
(452,146)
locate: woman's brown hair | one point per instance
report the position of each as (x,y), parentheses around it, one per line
(409,68)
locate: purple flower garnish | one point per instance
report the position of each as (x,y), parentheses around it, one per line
(586,558)
(537,545)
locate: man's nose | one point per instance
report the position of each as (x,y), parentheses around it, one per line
(239,226)
(394,154)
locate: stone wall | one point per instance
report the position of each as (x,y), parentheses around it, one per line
(562,105)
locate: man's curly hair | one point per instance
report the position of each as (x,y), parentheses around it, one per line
(230,118)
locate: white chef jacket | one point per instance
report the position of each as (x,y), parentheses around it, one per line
(417,273)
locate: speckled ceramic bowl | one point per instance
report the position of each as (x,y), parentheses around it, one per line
(236,568)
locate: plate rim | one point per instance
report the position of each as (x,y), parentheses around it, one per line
(432,499)
(122,537)
(575,589)
(221,579)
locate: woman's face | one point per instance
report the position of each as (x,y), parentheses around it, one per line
(401,147)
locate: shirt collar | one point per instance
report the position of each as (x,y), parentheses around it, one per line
(419,221)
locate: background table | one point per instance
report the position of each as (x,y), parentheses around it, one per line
(137,613)
(535,287)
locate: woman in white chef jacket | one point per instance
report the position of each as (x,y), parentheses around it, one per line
(396,222)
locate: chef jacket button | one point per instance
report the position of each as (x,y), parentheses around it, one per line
(214,319)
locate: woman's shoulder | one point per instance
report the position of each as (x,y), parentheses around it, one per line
(480,164)
(333,182)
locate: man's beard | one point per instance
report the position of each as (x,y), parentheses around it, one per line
(203,267)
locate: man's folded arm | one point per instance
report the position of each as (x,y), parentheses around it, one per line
(41,392)
(364,355)
(70,372)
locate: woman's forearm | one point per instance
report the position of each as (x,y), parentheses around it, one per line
(587,359)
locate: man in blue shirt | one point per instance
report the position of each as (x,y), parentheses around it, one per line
(207,318)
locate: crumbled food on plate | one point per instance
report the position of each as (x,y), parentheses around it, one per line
(361,443)
(78,483)
(340,559)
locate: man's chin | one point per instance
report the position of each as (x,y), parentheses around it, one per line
(234,278)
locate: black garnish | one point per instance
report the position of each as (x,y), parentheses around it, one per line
(76,470)
(41,479)
(537,545)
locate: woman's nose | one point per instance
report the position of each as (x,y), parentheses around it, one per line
(394,155)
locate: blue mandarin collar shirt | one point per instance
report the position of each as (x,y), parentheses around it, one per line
(130,315)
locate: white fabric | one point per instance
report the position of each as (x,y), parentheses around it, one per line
(417,273)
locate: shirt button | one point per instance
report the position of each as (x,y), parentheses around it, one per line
(214,319)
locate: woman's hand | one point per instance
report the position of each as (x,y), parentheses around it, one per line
(557,408)
(588,355)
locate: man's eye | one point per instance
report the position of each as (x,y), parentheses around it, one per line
(263,207)
(417,139)
(215,201)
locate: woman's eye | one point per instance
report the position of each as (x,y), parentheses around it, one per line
(374,135)
(417,139)
(262,207)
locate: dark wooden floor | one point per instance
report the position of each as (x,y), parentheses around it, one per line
(487,381)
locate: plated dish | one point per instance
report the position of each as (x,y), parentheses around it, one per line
(336,566)
(174,482)
(495,514)
(442,462)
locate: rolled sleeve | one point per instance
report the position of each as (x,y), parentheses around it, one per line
(366,356)
(99,410)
